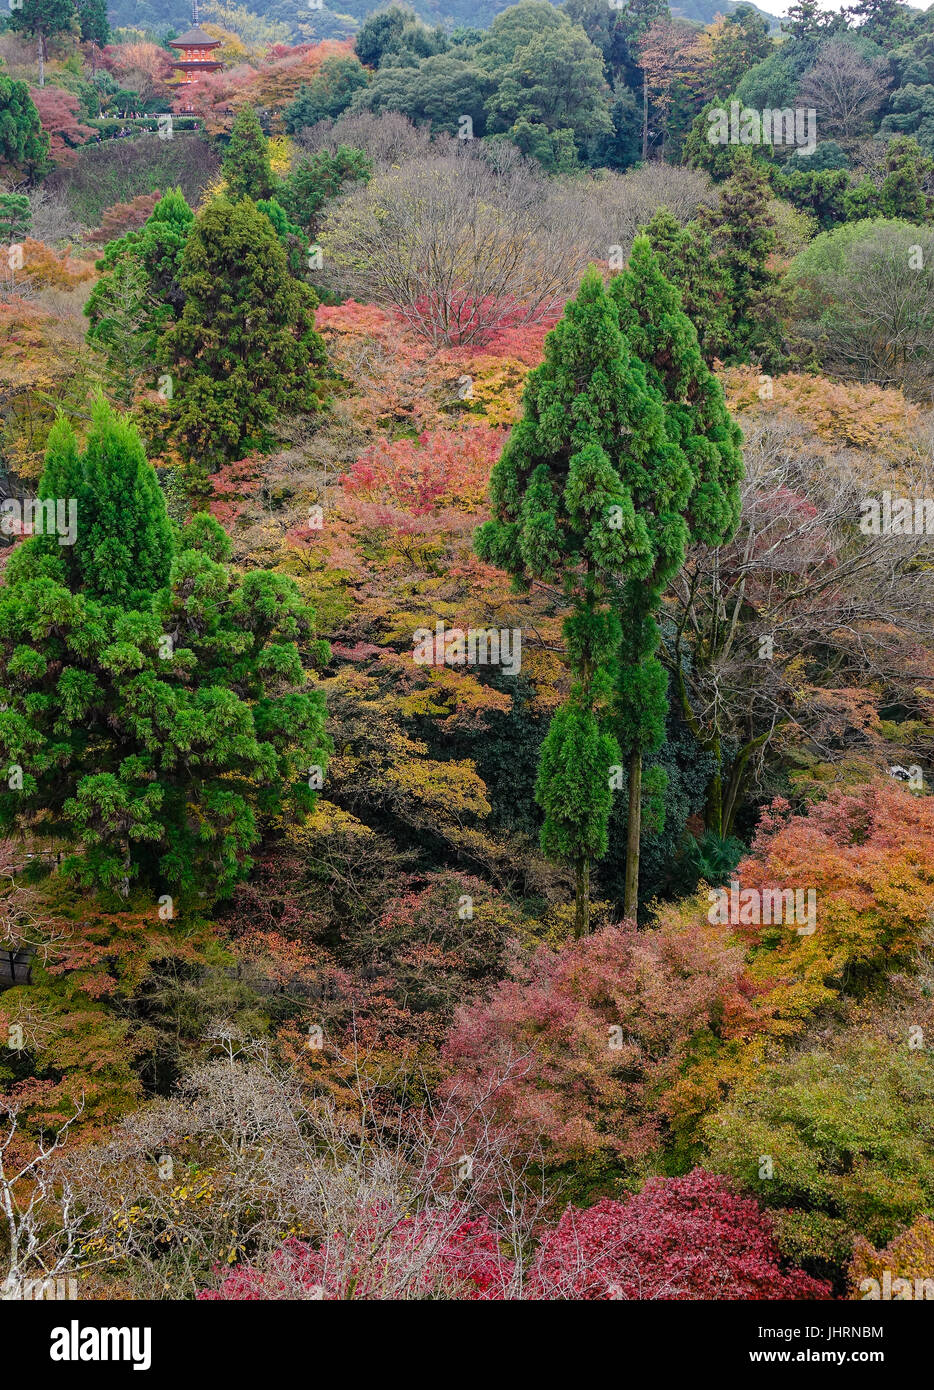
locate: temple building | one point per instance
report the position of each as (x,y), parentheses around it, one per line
(196,52)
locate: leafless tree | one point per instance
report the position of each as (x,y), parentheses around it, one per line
(53,221)
(43,1224)
(617,205)
(845,89)
(459,244)
(388,138)
(792,632)
(243,1157)
(461,241)
(887,334)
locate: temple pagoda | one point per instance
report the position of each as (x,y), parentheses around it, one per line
(196,49)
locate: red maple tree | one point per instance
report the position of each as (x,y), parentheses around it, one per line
(680,1238)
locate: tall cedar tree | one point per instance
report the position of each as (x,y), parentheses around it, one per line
(151,258)
(43,19)
(24,145)
(152,705)
(245,350)
(567,503)
(687,260)
(246,165)
(701,503)
(93,17)
(744,232)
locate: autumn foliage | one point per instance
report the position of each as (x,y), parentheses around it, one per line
(693,1237)
(272,84)
(680,1238)
(629,1032)
(869,856)
(910,1256)
(603,1026)
(856,414)
(388,1257)
(125,217)
(58,112)
(444,467)
(291,917)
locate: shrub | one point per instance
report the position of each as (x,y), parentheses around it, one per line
(679,1238)
(864,298)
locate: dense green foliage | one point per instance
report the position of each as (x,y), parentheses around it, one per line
(245,347)
(700,505)
(152,257)
(155,705)
(321,176)
(24,145)
(328,93)
(592,840)
(246,160)
(15,216)
(837,1125)
(590,494)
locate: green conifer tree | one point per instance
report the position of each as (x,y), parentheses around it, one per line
(121,310)
(124,546)
(62,477)
(153,706)
(15,216)
(24,145)
(687,260)
(320,176)
(43,19)
(92,15)
(566,497)
(702,503)
(908,172)
(744,233)
(245,165)
(138,295)
(245,350)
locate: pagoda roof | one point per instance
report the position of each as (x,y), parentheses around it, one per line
(195,38)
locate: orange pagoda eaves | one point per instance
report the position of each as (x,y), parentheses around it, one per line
(195,54)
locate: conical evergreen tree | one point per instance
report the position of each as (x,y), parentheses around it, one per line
(567,502)
(701,503)
(246,165)
(152,705)
(687,260)
(155,254)
(62,479)
(124,545)
(245,350)
(660,332)
(744,231)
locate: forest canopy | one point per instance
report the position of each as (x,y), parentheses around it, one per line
(466,659)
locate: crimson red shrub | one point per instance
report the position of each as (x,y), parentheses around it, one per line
(679,1238)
